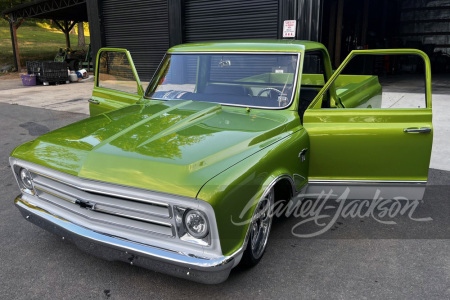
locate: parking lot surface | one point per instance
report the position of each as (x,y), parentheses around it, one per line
(356,259)
(71,97)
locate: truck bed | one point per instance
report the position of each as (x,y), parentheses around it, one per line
(354,91)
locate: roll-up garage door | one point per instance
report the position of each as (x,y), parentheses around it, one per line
(207,20)
(139,26)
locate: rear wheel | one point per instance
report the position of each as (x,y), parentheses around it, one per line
(74,65)
(259,230)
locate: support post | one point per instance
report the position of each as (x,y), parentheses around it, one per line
(384,18)
(340,16)
(332,29)
(66,33)
(176,18)
(13,26)
(14,45)
(309,20)
(97,40)
(365,23)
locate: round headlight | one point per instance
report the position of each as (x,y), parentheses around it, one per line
(26,179)
(196,224)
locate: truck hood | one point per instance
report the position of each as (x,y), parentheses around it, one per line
(172,146)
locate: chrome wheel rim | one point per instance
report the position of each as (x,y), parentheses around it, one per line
(261,224)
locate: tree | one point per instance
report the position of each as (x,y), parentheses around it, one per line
(5,4)
(81,40)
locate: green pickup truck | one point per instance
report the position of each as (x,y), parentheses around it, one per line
(182,177)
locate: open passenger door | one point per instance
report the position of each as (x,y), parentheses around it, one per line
(375,142)
(117,83)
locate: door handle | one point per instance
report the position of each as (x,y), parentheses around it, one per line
(94,101)
(417,130)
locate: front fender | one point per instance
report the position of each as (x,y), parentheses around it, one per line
(235,192)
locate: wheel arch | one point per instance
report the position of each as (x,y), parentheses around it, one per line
(285,186)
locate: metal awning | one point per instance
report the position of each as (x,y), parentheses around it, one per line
(70,10)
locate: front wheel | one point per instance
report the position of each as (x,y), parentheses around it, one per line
(259,230)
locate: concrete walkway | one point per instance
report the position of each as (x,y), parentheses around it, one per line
(440,156)
(74,97)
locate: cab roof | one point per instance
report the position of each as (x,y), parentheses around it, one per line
(249,46)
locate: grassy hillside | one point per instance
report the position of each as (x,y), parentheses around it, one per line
(37,41)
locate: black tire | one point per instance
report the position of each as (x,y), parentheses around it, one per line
(261,224)
(248,259)
(74,65)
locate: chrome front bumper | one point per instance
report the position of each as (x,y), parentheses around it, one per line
(203,270)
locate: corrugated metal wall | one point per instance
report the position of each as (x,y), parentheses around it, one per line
(309,14)
(230,19)
(426,22)
(139,26)
(143,27)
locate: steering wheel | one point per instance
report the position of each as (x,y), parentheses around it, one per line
(172,94)
(269,89)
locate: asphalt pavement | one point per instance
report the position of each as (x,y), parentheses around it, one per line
(357,258)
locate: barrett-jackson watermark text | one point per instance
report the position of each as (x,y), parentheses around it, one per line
(325,209)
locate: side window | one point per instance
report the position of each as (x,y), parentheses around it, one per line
(314,65)
(313,80)
(115,72)
(383,81)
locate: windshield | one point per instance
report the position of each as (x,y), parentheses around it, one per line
(251,80)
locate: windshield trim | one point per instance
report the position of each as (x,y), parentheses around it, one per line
(298,54)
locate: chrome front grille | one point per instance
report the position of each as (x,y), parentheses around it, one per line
(143,217)
(134,215)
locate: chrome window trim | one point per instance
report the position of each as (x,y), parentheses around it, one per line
(133,71)
(294,90)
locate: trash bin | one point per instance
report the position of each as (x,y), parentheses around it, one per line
(28,79)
